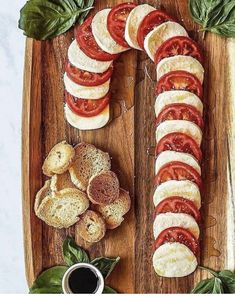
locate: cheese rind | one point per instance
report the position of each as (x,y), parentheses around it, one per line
(180,63)
(184,188)
(167,220)
(171,156)
(80,60)
(87,123)
(133,22)
(160,34)
(179,126)
(177,97)
(102,35)
(174,260)
(86,92)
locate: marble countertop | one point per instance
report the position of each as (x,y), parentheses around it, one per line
(12,42)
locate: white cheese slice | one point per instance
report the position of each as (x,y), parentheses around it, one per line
(170,156)
(160,34)
(133,22)
(184,188)
(180,63)
(87,123)
(174,260)
(86,92)
(102,35)
(167,220)
(181,126)
(80,60)
(177,97)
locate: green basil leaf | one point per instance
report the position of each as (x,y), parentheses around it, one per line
(217,288)
(49,281)
(45,19)
(89,3)
(209,286)
(105,265)
(216,16)
(74,254)
(228,279)
(109,290)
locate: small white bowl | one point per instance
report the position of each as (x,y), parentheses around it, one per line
(65,280)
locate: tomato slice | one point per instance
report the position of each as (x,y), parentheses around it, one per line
(179,142)
(179,45)
(177,170)
(86,78)
(117,21)
(179,80)
(180,112)
(180,235)
(84,107)
(177,204)
(87,43)
(152,20)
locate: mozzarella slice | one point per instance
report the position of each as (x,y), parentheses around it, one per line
(133,22)
(170,156)
(177,97)
(174,260)
(87,123)
(160,34)
(78,58)
(184,188)
(167,220)
(181,126)
(181,63)
(101,33)
(86,92)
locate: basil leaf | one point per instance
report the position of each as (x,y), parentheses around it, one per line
(105,265)
(109,290)
(217,288)
(209,286)
(49,281)
(228,279)
(217,16)
(74,254)
(45,19)
(89,3)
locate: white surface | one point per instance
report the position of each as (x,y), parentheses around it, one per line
(12,274)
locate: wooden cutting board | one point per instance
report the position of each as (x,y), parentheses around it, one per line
(129,139)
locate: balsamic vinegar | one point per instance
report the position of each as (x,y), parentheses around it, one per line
(83,281)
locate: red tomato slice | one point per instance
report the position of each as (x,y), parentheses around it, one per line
(177,204)
(179,80)
(177,170)
(180,112)
(152,20)
(179,45)
(87,78)
(180,235)
(117,21)
(179,142)
(84,107)
(87,43)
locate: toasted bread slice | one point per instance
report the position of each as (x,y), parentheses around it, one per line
(63,208)
(114,212)
(103,188)
(62,181)
(89,161)
(59,159)
(91,227)
(42,193)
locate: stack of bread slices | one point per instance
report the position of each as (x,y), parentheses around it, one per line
(82,189)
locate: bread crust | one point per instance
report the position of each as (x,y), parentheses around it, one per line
(103,188)
(59,159)
(88,162)
(41,194)
(63,209)
(91,227)
(114,212)
(62,181)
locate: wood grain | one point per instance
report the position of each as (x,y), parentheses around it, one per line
(129,139)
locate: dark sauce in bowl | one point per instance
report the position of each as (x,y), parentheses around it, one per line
(83,281)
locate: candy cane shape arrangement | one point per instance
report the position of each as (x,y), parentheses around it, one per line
(178,109)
